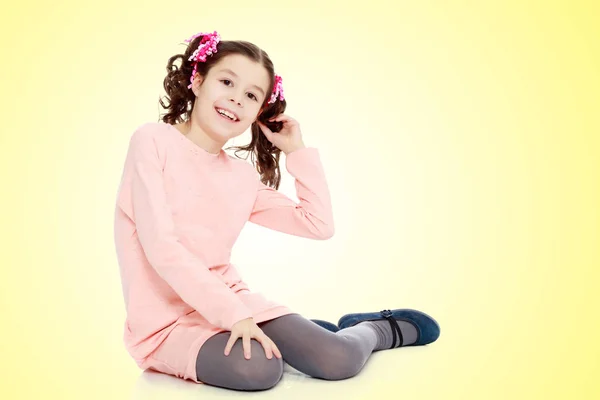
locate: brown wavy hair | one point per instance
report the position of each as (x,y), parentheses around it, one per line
(180,102)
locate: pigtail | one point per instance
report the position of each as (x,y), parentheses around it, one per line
(264,154)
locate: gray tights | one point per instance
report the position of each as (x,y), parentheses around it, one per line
(303,344)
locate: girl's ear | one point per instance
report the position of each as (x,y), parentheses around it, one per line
(196,84)
(259,114)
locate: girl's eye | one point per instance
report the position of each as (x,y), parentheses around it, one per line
(227,82)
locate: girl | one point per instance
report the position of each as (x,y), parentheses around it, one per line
(183,201)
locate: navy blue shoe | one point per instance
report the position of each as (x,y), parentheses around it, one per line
(428,330)
(326,324)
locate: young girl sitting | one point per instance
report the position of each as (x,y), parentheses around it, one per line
(181,205)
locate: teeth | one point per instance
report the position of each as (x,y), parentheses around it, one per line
(227,114)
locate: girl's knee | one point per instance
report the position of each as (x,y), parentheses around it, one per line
(234,371)
(259,373)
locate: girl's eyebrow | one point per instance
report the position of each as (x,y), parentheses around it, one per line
(235,75)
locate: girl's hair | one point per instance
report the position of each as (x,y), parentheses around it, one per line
(180,102)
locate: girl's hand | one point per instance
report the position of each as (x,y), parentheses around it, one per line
(247,329)
(289,138)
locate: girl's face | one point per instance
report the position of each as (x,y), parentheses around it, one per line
(229,97)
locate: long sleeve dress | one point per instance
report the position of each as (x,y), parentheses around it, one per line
(179,211)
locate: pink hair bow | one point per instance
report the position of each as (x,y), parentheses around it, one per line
(207,47)
(277,90)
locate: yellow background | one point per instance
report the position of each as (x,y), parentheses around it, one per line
(460,140)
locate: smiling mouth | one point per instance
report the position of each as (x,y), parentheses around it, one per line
(226,115)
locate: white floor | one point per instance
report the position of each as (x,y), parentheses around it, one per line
(377,380)
(293,385)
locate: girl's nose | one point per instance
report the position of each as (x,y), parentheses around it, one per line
(235,100)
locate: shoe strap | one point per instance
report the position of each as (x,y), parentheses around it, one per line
(387,314)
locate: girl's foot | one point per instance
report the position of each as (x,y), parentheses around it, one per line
(395,328)
(326,324)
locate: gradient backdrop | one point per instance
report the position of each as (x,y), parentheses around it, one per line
(460,140)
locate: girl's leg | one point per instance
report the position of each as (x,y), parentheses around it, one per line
(234,371)
(320,353)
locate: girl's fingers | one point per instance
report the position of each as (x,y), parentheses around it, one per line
(247,346)
(230,343)
(276,351)
(266,343)
(282,117)
(269,346)
(268,133)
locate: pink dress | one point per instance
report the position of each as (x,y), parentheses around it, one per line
(179,211)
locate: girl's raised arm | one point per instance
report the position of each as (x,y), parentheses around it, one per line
(312,217)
